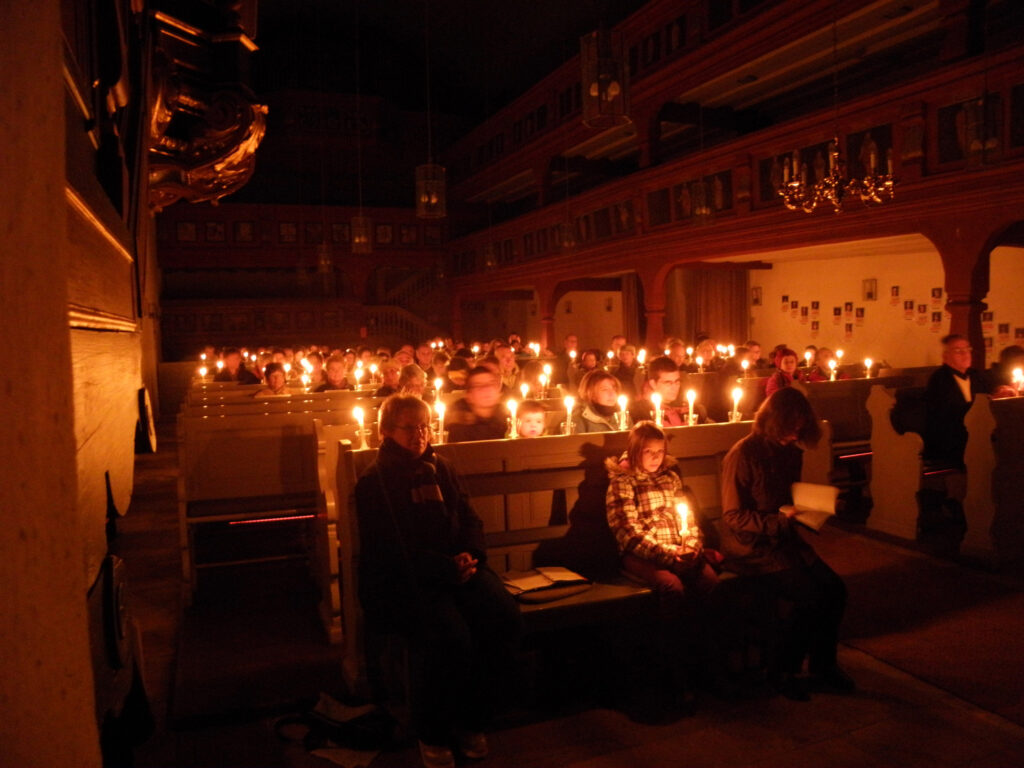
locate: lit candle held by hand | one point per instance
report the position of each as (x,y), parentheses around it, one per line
(691,398)
(656,402)
(623,401)
(737,395)
(570,403)
(512,405)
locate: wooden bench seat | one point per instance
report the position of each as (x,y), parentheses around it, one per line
(542,502)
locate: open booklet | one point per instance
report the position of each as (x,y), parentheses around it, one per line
(537,579)
(814,504)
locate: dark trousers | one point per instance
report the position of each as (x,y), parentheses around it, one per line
(460,655)
(813,599)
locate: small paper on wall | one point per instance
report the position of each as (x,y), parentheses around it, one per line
(988,322)
(908,309)
(848,331)
(922,314)
(936,322)
(894,296)
(815,328)
(837,315)
(936,297)
(859,315)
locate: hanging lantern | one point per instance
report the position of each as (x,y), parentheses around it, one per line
(605,90)
(361,242)
(431,200)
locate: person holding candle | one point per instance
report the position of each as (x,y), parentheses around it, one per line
(664,379)
(562,366)
(627,371)
(480,415)
(589,360)
(787,373)
(234,369)
(276,379)
(821,371)
(412,380)
(335,371)
(598,410)
(999,379)
(759,539)
(390,372)
(423,574)
(660,543)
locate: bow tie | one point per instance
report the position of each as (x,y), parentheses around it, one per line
(962,376)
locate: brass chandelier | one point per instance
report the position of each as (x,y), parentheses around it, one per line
(831,184)
(798,194)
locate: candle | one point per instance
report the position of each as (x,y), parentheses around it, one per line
(287,368)
(438,383)
(867,367)
(476,349)
(569,405)
(641,356)
(572,355)
(439,409)
(203,356)
(623,400)
(656,402)
(547,371)
(691,398)
(611,356)
(359,376)
(512,405)
(807,358)
(1018,379)
(309,366)
(220,365)
(839,355)
(667,351)
(202,371)
(700,364)
(731,349)
(543,381)
(737,395)
(524,389)
(305,381)
(832,368)
(373,371)
(689,352)
(745,364)
(683,515)
(357,413)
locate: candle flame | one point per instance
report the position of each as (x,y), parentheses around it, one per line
(683,513)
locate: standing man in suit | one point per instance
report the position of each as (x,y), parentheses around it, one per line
(948,397)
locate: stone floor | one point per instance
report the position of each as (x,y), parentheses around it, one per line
(934,647)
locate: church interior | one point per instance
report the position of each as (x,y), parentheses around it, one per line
(184,175)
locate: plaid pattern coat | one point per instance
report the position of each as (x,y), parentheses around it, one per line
(641,511)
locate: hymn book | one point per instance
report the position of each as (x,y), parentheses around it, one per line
(814,504)
(537,579)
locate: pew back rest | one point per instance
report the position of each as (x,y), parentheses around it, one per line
(249,455)
(279,404)
(909,412)
(843,404)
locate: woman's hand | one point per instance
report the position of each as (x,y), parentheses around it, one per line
(466,565)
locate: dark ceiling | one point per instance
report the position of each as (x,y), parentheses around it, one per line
(483,53)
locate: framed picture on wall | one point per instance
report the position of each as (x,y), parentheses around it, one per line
(869,289)
(384,234)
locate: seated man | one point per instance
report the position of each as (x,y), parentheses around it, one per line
(390,373)
(663,377)
(335,374)
(948,397)
(627,370)
(234,369)
(480,414)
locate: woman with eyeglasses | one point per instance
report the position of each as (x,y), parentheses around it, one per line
(423,574)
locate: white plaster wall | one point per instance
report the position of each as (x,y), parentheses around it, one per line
(1005,299)
(594,316)
(886,334)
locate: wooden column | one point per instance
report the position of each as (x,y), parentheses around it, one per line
(964,244)
(46,693)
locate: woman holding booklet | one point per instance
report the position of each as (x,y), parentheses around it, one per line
(423,574)
(759,537)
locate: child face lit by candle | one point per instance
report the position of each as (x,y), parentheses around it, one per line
(652,455)
(531,425)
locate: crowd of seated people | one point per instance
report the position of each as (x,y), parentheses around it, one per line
(615,390)
(599,380)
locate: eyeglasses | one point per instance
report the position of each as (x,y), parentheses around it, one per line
(421,428)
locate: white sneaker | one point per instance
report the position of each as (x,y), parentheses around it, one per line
(473,745)
(436,756)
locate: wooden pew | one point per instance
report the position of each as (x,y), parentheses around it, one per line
(895,468)
(994,503)
(247,467)
(542,503)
